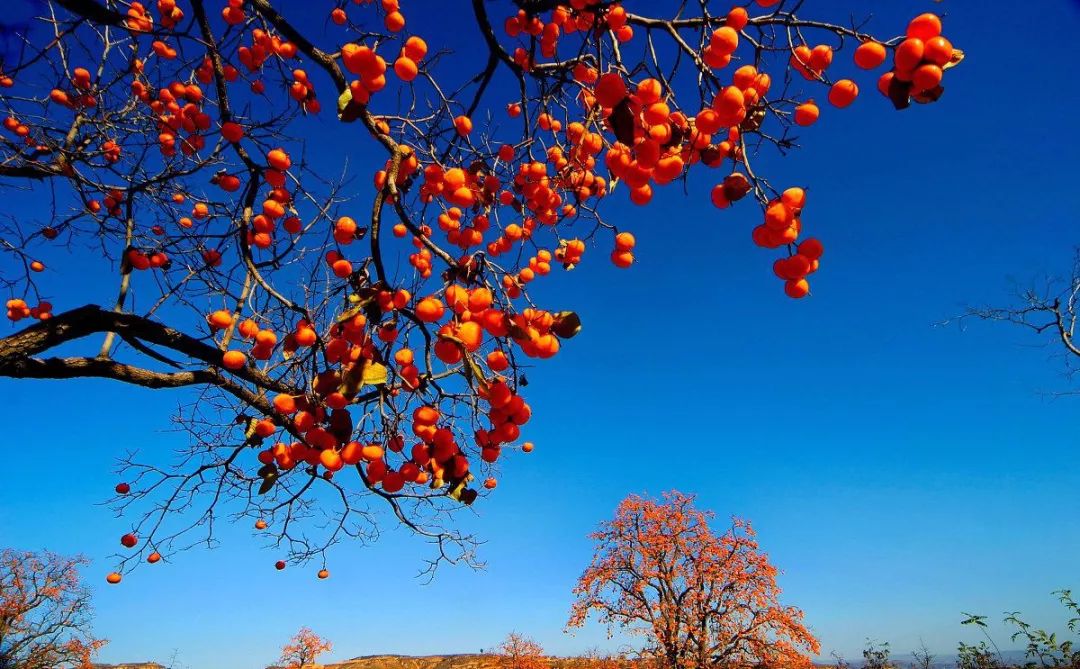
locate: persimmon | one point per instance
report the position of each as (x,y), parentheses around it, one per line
(113,578)
(278,159)
(843,93)
(342,268)
(338,17)
(924,27)
(870,55)
(232,132)
(938,51)
(811,248)
(129,540)
(279,565)
(331,459)
(233,360)
(806,114)
(305,336)
(37,266)
(737,18)
(794,199)
(405,68)
(154,557)
(220,319)
(610,89)
(908,54)
(285,404)
(430,309)
(463,124)
(797,288)
(122,488)
(415,48)
(395,22)
(925,77)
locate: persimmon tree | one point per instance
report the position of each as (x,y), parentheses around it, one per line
(352,354)
(303,649)
(45,612)
(697,598)
(518,651)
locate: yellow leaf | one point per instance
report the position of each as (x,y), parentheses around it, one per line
(374,374)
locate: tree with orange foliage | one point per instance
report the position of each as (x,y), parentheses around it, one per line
(518,651)
(44,612)
(303,649)
(701,600)
(356,355)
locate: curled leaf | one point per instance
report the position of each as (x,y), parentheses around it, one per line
(957,57)
(566,324)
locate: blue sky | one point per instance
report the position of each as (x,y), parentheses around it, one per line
(898,472)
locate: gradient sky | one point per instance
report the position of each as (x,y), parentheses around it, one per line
(898,472)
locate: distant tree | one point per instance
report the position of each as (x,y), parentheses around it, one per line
(922,658)
(876,655)
(303,649)
(701,600)
(45,612)
(520,652)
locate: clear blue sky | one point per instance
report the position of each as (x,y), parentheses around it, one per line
(899,473)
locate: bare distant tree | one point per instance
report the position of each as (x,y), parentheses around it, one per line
(1050,312)
(921,657)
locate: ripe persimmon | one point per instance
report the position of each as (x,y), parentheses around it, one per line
(395,22)
(233,360)
(113,578)
(415,48)
(463,125)
(843,93)
(924,27)
(938,51)
(278,159)
(870,55)
(220,319)
(797,288)
(806,114)
(430,309)
(405,68)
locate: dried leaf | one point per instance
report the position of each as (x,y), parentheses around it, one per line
(622,122)
(957,57)
(566,324)
(460,492)
(269,475)
(900,93)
